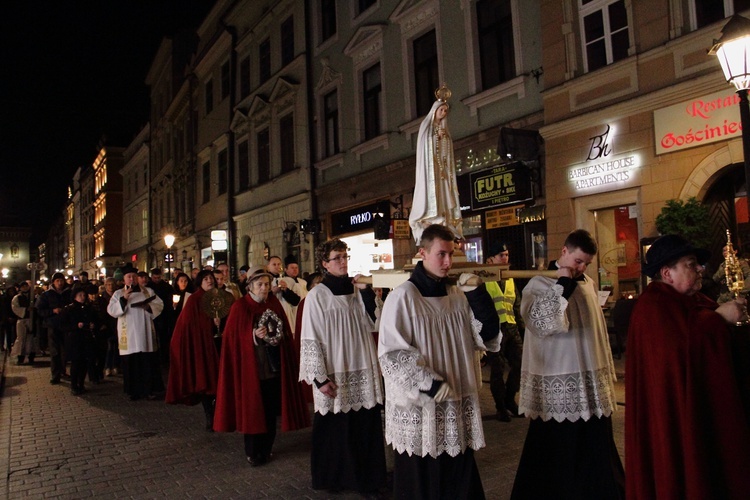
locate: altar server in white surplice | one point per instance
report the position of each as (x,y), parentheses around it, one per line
(430,333)
(135,306)
(338,356)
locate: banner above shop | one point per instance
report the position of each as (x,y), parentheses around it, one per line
(502,217)
(361,218)
(500,185)
(699,121)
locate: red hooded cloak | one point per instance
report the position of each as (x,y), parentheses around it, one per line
(193,360)
(239,406)
(686,434)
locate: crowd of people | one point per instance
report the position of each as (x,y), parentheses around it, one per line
(404,368)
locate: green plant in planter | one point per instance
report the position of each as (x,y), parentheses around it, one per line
(689,219)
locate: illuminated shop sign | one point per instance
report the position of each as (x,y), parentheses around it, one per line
(602,168)
(360,218)
(500,185)
(697,122)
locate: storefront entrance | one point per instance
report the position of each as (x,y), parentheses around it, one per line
(619,257)
(367,254)
(727,204)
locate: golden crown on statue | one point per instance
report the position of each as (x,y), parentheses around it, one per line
(443,93)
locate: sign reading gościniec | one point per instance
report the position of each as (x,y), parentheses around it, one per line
(699,121)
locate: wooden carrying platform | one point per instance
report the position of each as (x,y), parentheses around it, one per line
(391,278)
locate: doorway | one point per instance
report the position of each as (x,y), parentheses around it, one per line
(727,205)
(619,258)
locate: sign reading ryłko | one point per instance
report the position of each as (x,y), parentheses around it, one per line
(500,185)
(707,119)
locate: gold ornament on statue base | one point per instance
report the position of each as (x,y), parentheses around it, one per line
(735,278)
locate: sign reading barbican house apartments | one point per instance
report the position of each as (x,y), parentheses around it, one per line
(602,168)
(700,121)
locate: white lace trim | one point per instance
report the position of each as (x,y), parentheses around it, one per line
(432,429)
(312,361)
(356,389)
(547,313)
(405,371)
(568,396)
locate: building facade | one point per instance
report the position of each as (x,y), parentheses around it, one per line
(637,113)
(376,68)
(271,134)
(136,220)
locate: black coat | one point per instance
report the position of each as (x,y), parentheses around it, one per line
(49,300)
(78,339)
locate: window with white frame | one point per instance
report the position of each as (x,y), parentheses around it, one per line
(286,142)
(331,122)
(363,5)
(495,38)
(206,182)
(327,19)
(604,32)
(225,77)
(287,41)
(264,60)
(209,96)
(372,90)
(704,12)
(264,156)
(243,165)
(223,164)
(426,74)
(245,77)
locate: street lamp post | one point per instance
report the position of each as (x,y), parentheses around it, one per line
(169,241)
(99,265)
(733,52)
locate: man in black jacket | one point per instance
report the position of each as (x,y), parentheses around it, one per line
(50,305)
(164,322)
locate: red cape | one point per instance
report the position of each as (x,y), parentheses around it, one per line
(238,401)
(306,389)
(193,360)
(686,434)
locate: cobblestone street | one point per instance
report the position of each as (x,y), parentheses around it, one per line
(102,445)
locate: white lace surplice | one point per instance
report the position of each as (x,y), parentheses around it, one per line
(567,371)
(424,339)
(337,344)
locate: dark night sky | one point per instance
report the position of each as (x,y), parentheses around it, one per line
(72,72)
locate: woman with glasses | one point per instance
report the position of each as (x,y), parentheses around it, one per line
(339,356)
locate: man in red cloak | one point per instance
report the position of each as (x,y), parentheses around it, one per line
(258,371)
(686,433)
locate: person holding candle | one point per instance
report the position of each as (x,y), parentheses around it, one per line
(194,359)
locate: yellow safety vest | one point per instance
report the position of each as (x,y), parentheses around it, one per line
(503,300)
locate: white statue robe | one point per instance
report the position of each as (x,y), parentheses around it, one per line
(435,199)
(135,326)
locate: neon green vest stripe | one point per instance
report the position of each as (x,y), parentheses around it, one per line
(503,301)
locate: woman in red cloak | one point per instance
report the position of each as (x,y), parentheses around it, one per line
(258,371)
(193,358)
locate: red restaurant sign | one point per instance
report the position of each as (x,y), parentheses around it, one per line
(697,122)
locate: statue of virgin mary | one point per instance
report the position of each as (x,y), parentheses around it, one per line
(435,199)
